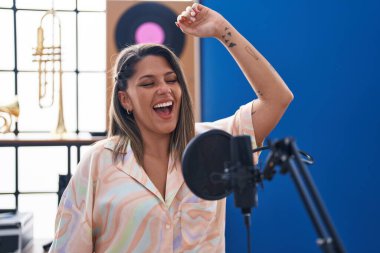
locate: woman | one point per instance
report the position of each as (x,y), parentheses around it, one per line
(128,194)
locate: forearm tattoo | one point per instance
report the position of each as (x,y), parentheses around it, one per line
(251,52)
(227,36)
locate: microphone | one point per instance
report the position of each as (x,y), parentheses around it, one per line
(215,163)
(244,185)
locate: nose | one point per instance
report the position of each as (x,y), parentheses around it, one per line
(164,89)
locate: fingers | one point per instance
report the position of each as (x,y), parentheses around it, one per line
(188,9)
(188,16)
(197,7)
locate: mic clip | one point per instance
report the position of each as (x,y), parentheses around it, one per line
(238,177)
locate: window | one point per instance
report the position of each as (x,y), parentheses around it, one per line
(29,174)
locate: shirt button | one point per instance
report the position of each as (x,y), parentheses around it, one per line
(167,226)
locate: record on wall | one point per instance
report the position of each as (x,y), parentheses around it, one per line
(149,23)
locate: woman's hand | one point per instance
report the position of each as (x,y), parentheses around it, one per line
(200,21)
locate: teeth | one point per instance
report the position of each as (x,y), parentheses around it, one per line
(163,104)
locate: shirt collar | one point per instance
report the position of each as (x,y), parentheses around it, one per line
(129,165)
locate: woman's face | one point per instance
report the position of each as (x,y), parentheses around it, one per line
(153,96)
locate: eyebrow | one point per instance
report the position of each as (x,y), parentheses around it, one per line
(150,76)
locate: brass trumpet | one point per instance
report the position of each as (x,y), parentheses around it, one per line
(50,68)
(6,113)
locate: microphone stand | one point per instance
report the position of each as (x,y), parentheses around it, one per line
(286,154)
(242,176)
(243,182)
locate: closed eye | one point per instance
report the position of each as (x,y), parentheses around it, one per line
(146,84)
(172,81)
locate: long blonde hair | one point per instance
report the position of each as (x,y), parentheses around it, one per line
(123,125)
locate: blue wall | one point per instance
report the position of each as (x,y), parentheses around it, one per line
(328,53)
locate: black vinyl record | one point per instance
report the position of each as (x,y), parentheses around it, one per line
(149,22)
(205,156)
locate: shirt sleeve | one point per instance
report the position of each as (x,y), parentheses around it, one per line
(73,225)
(240,123)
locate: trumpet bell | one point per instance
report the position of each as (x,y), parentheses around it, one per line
(6,113)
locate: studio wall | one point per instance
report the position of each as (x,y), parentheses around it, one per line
(328,53)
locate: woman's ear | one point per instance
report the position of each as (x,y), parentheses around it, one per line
(125,101)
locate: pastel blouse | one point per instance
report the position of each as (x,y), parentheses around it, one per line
(114,207)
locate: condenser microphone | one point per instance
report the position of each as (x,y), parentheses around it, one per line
(244,185)
(216,163)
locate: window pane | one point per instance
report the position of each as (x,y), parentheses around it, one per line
(7,42)
(63,4)
(91,5)
(74,160)
(44,209)
(7,86)
(7,170)
(40,4)
(8,201)
(39,167)
(46,4)
(32,117)
(91,41)
(68,33)
(6,3)
(27,24)
(69,85)
(92,99)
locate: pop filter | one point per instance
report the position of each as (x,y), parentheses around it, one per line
(204,157)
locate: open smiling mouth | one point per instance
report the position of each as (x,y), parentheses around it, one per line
(164,109)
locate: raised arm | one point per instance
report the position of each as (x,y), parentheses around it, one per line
(273,94)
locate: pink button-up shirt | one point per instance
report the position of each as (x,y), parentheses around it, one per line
(110,207)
